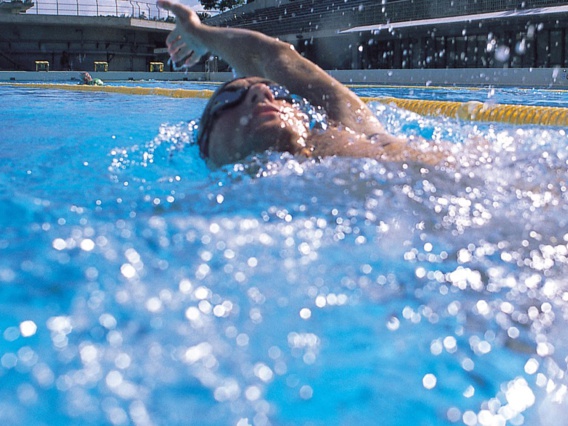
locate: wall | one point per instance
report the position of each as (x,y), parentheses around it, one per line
(126,44)
(552,78)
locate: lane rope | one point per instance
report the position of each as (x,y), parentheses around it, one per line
(479,111)
(472,110)
(126,90)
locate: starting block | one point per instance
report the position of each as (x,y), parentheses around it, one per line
(42,65)
(156,67)
(101,66)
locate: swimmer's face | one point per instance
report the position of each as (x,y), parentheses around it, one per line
(257,122)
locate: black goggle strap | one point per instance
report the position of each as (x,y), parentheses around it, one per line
(227,98)
(232,97)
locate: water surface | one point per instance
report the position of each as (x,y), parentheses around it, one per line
(137,286)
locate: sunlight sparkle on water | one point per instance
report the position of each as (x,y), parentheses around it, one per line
(154,287)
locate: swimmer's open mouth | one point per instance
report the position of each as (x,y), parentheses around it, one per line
(265,109)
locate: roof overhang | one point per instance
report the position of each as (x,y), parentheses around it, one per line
(461,18)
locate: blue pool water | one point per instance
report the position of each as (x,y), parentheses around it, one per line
(138,287)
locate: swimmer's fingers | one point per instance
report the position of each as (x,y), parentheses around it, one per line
(179,61)
(184,58)
(174,43)
(176,8)
(183,50)
(177,66)
(180,56)
(184,55)
(190,60)
(183,44)
(186,17)
(173,37)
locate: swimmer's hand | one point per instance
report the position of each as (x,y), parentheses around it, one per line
(184,44)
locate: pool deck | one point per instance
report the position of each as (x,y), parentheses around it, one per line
(547,78)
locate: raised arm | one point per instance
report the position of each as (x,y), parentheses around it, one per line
(254,54)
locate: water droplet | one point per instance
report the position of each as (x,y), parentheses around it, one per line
(502,53)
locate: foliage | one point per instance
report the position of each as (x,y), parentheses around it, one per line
(221,5)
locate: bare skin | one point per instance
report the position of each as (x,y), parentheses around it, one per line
(260,122)
(256,124)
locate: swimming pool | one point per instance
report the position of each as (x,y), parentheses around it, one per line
(140,287)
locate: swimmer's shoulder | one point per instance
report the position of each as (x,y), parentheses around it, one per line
(337,141)
(341,141)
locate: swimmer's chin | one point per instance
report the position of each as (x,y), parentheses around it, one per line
(264,132)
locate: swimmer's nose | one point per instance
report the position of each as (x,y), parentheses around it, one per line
(259,92)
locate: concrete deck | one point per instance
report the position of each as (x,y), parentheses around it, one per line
(547,78)
(70,76)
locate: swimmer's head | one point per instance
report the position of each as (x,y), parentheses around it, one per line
(229,96)
(86,77)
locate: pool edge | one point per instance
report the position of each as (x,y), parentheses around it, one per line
(546,78)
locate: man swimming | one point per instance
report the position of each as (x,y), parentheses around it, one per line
(258,112)
(88,80)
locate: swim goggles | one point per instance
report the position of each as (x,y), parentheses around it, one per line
(227,97)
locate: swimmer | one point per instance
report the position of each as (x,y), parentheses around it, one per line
(283,102)
(90,81)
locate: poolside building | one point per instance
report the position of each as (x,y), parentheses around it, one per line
(64,35)
(420,42)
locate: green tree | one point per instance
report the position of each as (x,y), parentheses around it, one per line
(221,5)
(209,4)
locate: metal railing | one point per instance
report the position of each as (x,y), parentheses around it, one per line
(120,8)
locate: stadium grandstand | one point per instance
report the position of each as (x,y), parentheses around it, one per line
(414,34)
